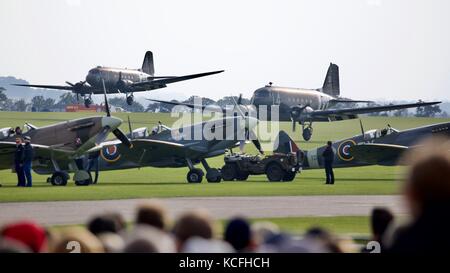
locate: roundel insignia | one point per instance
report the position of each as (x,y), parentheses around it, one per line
(344,150)
(110,153)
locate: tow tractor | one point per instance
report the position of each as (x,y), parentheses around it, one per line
(277,167)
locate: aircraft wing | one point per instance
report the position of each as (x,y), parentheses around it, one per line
(376,153)
(159,83)
(167,148)
(58,87)
(7,150)
(210,107)
(348,113)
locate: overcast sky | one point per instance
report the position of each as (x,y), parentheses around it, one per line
(385,49)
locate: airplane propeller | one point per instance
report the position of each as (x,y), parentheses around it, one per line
(297,112)
(249,133)
(117,132)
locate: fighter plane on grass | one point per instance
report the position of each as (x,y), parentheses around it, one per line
(120,80)
(305,106)
(373,147)
(58,148)
(166,147)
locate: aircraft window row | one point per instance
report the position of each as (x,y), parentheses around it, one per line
(302,101)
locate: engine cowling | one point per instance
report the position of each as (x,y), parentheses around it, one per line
(300,112)
(123,85)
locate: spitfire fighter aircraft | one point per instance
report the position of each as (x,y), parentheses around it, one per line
(305,106)
(373,147)
(58,147)
(166,147)
(120,80)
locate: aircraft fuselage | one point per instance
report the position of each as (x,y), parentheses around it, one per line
(111,76)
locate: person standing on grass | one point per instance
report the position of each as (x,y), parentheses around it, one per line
(18,162)
(27,159)
(328,157)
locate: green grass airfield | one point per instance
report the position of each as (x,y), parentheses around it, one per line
(164,182)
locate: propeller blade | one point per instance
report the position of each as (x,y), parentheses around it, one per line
(96,170)
(69,83)
(123,138)
(258,145)
(242,146)
(102,135)
(255,141)
(294,123)
(129,128)
(108,113)
(238,108)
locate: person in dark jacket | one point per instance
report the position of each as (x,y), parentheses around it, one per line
(328,157)
(18,163)
(27,159)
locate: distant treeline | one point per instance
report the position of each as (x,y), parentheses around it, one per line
(41,104)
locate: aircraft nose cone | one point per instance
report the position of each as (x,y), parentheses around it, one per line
(111,122)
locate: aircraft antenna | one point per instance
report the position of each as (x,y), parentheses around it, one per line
(362,128)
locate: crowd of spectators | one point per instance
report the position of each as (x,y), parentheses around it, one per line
(425,188)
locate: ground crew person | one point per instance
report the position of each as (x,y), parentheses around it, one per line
(27,159)
(328,157)
(18,163)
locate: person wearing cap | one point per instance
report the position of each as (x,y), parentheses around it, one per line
(27,159)
(18,162)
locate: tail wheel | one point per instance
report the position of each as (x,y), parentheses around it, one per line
(289,176)
(59,179)
(229,172)
(195,176)
(274,172)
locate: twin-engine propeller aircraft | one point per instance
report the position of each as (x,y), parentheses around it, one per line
(58,148)
(373,147)
(120,80)
(305,106)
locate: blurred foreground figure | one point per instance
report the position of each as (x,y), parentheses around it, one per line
(380,220)
(426,189)
(75,240)
(196,223)
(28,234)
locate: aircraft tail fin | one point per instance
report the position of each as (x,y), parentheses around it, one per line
(147,65)
(331,83)
(284,144)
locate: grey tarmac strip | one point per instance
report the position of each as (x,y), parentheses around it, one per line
(78,212)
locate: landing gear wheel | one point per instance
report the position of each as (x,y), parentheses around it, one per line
(213,176)
(87,102)
(229,172)
(289,176)
(307,133)
(274,172)
(195,176)
(59,179)
(130,99)
(86,182)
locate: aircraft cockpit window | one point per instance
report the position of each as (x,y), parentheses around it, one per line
(6,133)
(263,93)
(140,133)
(94,71)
